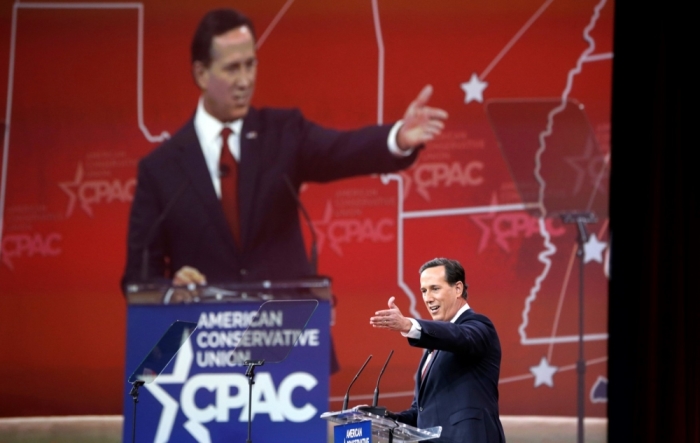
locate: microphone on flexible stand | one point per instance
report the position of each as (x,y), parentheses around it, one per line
(347,394)
(145,253)
(307,219)
(374,409)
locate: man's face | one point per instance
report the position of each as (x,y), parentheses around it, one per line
(442,300)
(227,83)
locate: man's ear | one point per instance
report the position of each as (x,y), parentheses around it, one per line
(459,287)
(200,74)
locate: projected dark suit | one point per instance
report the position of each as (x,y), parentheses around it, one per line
(274,144)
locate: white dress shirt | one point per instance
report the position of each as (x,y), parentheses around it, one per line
(208,131)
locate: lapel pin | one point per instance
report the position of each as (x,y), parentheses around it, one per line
(251,135)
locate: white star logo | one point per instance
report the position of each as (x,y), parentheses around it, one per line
(593,249)
(544,373)
(599,391)
(606,263)
(320,227)
(71,189)
(589,164)
(474,89)
(180,374)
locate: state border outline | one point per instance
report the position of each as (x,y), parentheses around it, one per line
(139,7)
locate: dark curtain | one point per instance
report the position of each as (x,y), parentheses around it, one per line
(654,370)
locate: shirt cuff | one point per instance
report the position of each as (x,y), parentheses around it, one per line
(414,332)
(393,145)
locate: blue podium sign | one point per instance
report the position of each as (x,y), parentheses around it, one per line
(202,395)
(359,432)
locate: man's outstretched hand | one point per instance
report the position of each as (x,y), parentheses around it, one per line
(391,319)
(421,123)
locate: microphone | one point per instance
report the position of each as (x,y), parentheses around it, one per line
(145,254)
(307,219)
(380,411)
(376,389)
(347,394)
(224,171)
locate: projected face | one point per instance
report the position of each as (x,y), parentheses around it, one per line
(228,82)
(442,300)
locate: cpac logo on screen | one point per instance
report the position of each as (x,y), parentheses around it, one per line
(29,245)
(348,230)
(90,192)
(434,175)
(504,227)
(230,399)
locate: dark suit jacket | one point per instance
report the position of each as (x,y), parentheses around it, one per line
(460,389)
(174,184)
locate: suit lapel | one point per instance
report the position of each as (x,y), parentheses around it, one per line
(424,380)
(251,162)
(420,367)
(192,163)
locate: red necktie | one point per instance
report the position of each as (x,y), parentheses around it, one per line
(426,365)
(228,172)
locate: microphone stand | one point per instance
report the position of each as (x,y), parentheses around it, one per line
(374,409)
(347,393)
(580,219)
(150,235)
(135,395)
(250,373)
(314,241)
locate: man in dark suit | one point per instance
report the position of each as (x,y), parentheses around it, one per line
(218,201)
(457,379)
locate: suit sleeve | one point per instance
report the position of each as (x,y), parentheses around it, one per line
(409,416)
(472,338)
(328,154)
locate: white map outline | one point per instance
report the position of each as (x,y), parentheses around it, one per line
(550,249)
(273,23)
(515,378)
(11,74)
(515,38)
(402,215)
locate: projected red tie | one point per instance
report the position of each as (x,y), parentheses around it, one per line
(228,171)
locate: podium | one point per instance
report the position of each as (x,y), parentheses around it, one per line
(202,395)
(382,428)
